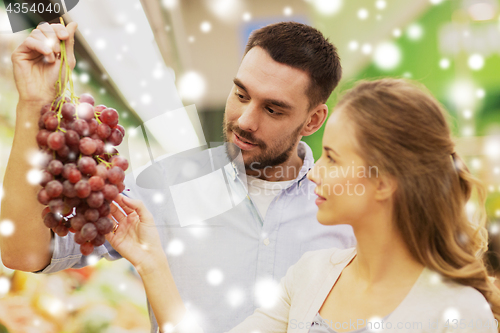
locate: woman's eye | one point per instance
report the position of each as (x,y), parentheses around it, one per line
(331,159)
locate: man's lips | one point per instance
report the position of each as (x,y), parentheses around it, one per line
(244,140)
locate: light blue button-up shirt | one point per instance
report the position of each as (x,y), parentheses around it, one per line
(225,259)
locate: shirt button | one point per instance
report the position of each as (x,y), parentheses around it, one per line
(266,241)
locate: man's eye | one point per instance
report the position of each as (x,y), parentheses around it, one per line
(271,111)
(240,96)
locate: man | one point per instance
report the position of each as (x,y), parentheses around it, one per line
(235,257)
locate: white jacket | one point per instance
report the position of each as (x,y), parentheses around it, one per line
(433,305)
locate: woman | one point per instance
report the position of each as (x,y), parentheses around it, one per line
(389,170)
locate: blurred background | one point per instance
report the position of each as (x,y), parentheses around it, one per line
(167,67)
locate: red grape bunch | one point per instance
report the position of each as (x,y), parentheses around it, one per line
(82,172)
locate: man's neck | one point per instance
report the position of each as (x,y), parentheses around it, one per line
(288,170)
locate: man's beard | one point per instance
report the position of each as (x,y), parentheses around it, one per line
(269,156)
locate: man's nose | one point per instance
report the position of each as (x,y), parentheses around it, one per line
(249,119)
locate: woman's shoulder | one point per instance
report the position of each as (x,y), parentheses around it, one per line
(325,258)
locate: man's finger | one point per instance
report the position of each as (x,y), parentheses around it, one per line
(33,44)
(61,31)
(52,39)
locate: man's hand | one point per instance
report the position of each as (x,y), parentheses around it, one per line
(36,61)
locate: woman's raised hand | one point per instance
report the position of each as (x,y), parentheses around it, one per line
(136,237)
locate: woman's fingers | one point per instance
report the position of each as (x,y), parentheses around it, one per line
(123,205)
(139,207)
(70,43)
(117,213)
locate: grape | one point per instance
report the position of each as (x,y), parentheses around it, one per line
(89,231)
(46,108)
(56,140)
(121,187)
(95,199)
(74,175)
(41,137)
(104,131)
(116,137)
(98,240)
(87,146)
(68,189)
(46,177)
(87,98)
(86,165)
(99,108)
(76,189)
(72,202)
(51,221)
(82,189)
(56,206)
(54,188)
(43,197)
(86,248)
(104,210)
(67,168)
(85,111)
(51,122)
(64,152)
(92,215)
(96,183)
(110,192)
(78,238)
(61,230)
(68,111)
(81,127)
(116,175)
(72,138)
(99,147)
(121,129)
(104,225)
(109,116)
(92,126)
(55,167)
(101,171)
(120,162)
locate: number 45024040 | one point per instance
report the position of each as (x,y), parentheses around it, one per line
(34,8)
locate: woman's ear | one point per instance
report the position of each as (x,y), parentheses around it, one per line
(386,185)
(315,120)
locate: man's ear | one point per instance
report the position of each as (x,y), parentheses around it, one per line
(315,120)
(386,185)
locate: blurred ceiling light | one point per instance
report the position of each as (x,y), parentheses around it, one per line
(492,147)
(462,94)
(480,93)
(363,14)
(225,9)
(353,45)
(205,26)
(380,4)
(247,16)
(287,11)
(481,10)
(191,86)
(476,62)
(170,4)
(467,114)
(387,56)
(415,31)
(327,7)
(444,63)
(366,48)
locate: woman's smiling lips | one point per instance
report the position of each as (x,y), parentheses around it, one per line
(320,199)
(242,144)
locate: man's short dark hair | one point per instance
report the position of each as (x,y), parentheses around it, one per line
(301,46)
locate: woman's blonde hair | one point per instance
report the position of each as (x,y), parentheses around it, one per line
(403,130)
